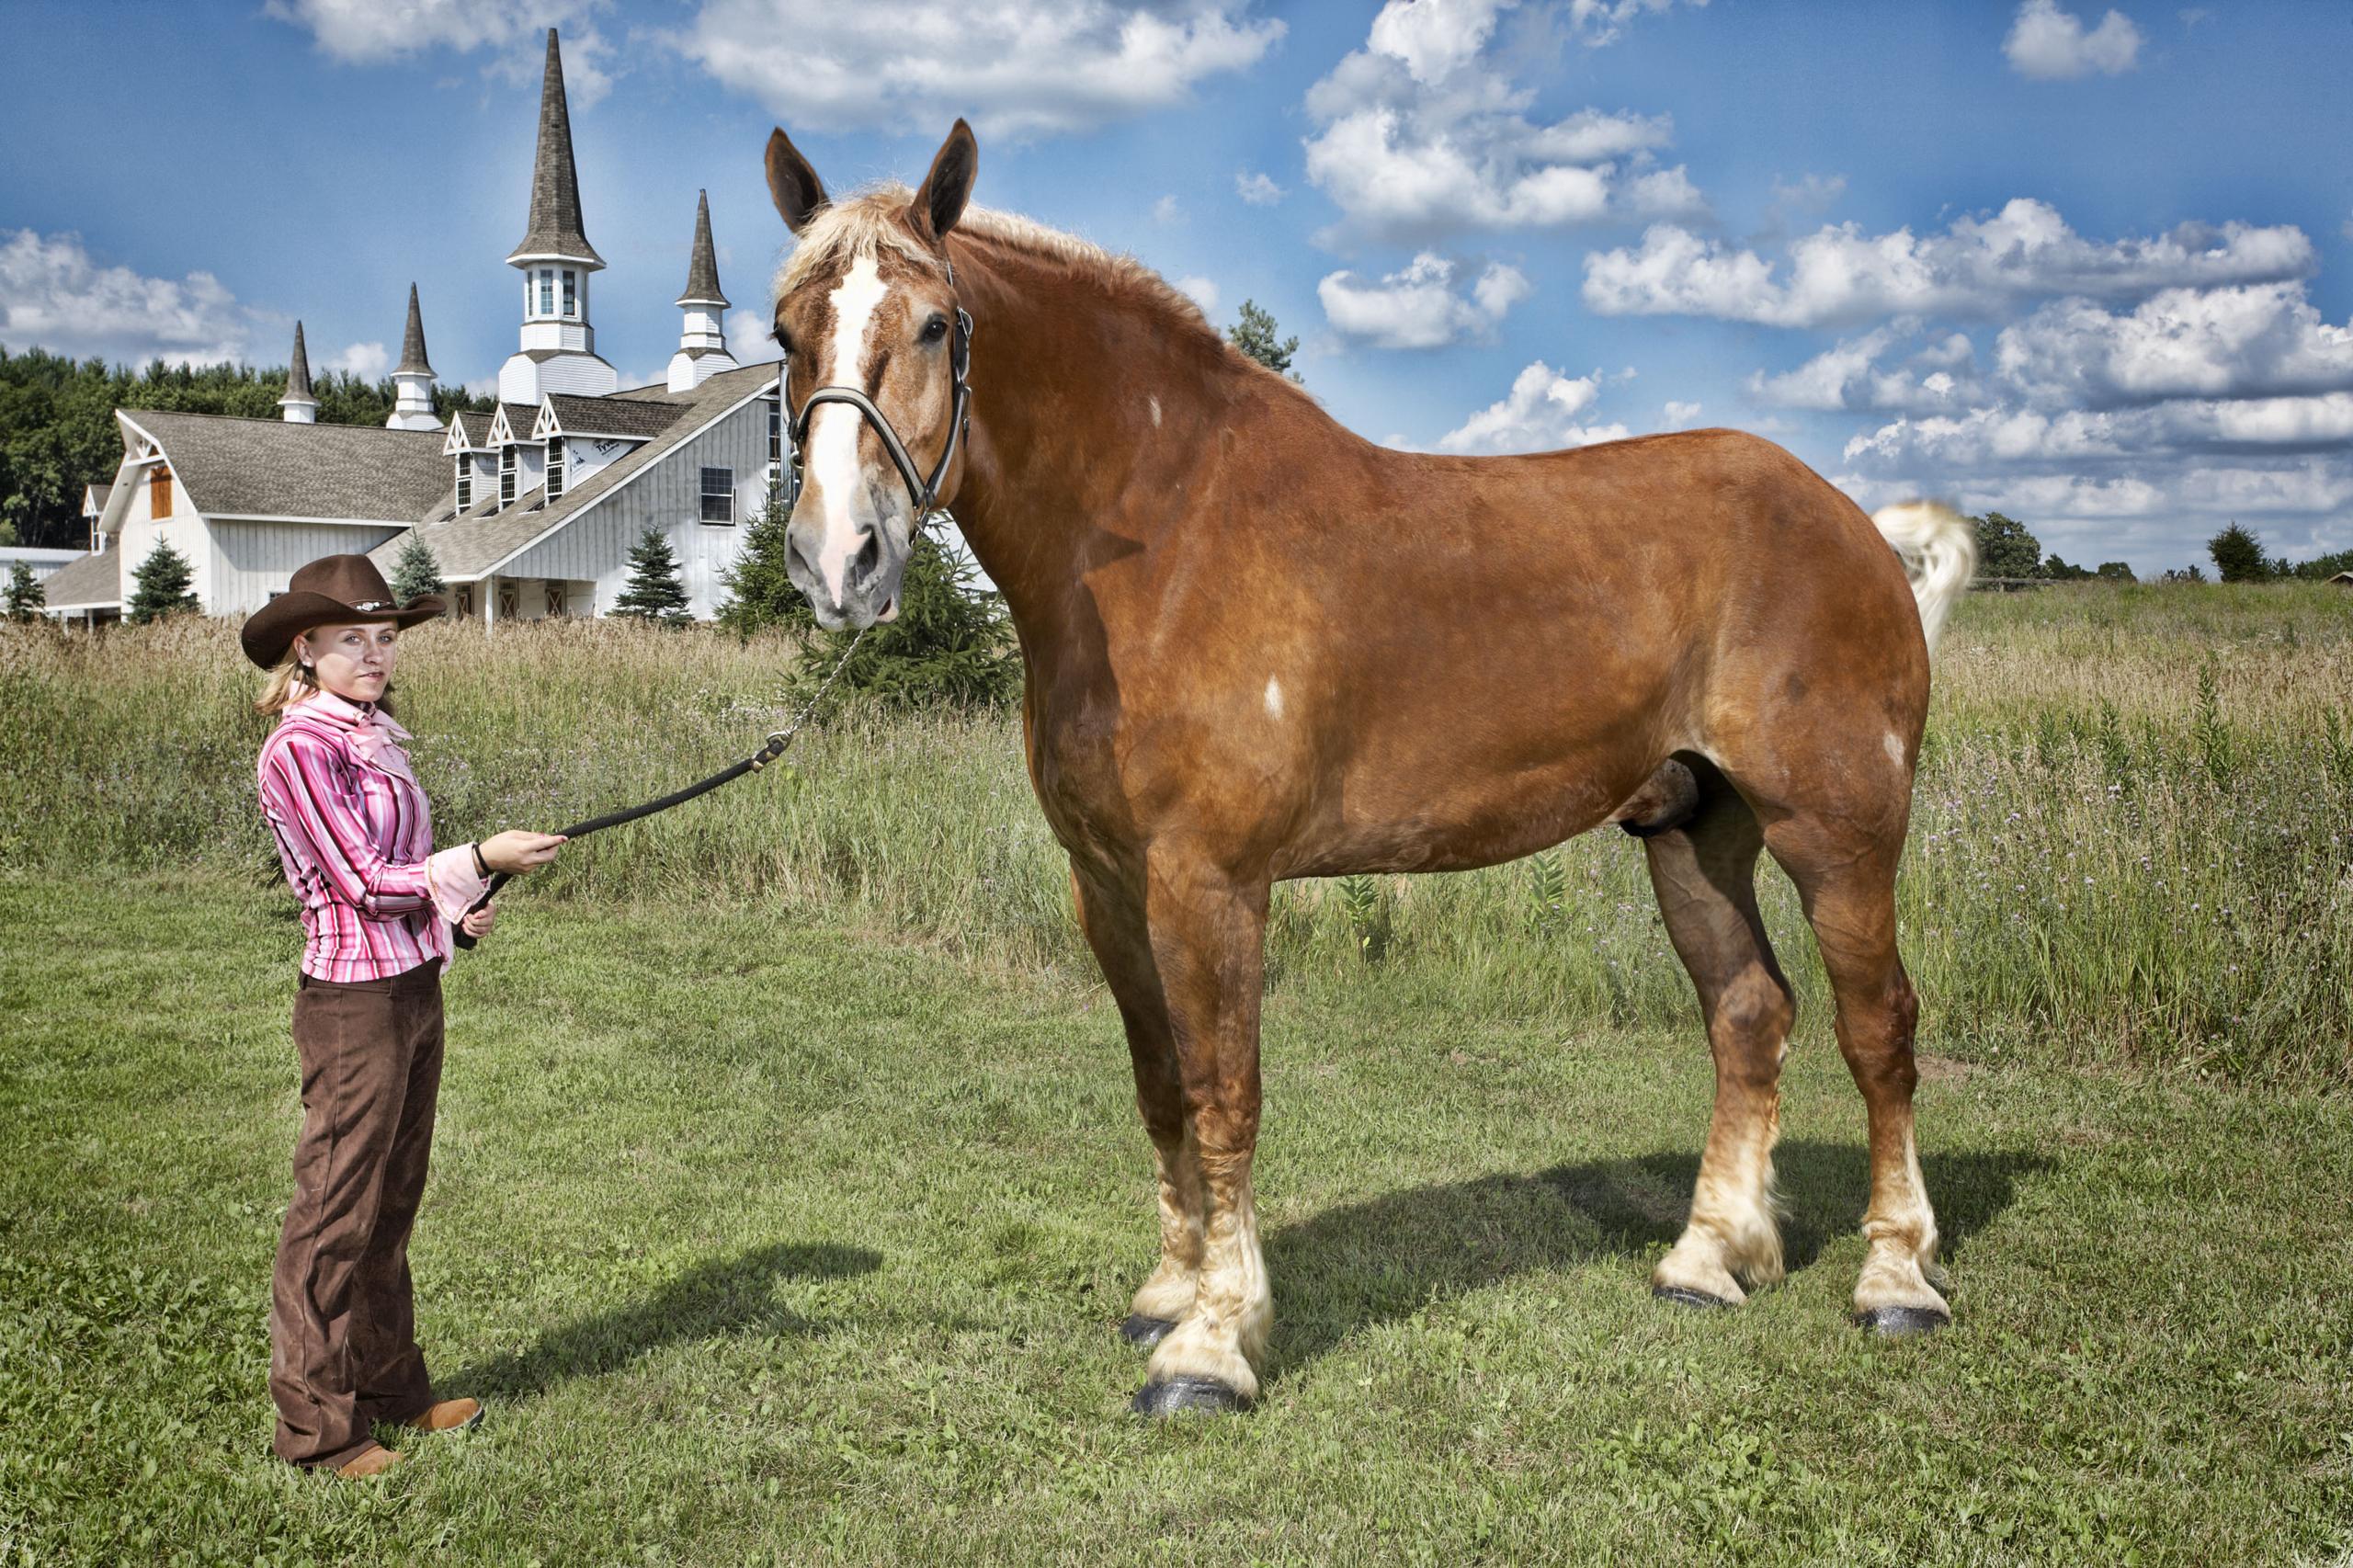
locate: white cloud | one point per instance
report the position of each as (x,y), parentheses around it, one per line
(1203,291)
(1539,413)
(1848,375)
(1417,308)
(2255,341)
(1599,22)
(369,32)
(1678,416)
(2048,44)
(53,296)
(1423,131)
(1669,193)
(751,337)
(1041,68)
(1840,274)
(1165,211)
(1257,190)
(368,361)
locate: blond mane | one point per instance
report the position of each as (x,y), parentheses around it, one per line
(870,221)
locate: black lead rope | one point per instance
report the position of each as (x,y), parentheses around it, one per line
(777,740)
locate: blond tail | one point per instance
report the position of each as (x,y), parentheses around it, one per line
(1940,552)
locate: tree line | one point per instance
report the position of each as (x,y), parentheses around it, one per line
(57,434)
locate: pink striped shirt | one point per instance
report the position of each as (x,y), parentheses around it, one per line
(354,835)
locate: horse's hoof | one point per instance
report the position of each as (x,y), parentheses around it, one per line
(1179,1394)
(1143,1333)
(1902,1323)
(1683,1298)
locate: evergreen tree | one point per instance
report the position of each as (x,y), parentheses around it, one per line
(2004,549)
(654,592)
(1254,336)
(761,590)
(164,580)
(2238,556)
(415,572)
(26,597)
(2116,571)
(950,644)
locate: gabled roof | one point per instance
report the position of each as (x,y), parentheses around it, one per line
(89,582)
(478,543)
(555,187)
(469,432)
(702,267)
(412,360)
(267,468)
(512,422)
(560,414)
(298,374)
(94,497)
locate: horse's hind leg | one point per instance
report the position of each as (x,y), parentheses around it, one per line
(1704,871)
(1846,875)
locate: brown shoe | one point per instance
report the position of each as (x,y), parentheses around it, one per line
(371,1461)
(450,1416)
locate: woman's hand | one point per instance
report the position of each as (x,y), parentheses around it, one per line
(518,853)
(478,921)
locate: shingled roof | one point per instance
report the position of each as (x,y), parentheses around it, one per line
(298,374)
(703,268)
(612,417)
(471,429)
(412,360)
(470,546)
(88,582)
(555,187)
(267,468)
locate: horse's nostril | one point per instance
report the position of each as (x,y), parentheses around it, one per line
(869,558)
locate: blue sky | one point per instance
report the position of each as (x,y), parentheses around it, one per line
(2091,266)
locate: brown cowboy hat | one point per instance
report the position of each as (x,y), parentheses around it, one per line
(331,588)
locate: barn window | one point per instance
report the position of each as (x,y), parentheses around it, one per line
(776,431)
(506,476)
(555,467)
(159,492)
(465,482)
(719,495)
(571,295)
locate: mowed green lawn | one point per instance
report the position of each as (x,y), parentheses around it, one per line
(791,1244)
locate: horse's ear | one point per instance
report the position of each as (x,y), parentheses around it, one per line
(944,191)
(799,192)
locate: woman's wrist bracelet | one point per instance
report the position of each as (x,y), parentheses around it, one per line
(482,867)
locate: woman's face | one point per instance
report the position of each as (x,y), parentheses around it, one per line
(353,661)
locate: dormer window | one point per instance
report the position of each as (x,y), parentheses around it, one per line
(555,467)
(506,476)
(465,482)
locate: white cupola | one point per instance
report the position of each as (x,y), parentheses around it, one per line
(559,346)
(702,342)
(300,407)
(413,376)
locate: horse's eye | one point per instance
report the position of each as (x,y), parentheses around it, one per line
(934,329)
(783,340)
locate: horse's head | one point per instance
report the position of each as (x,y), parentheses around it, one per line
(867,315)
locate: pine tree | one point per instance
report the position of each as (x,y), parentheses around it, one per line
(415,572)
(26,597)
(2238,556)
(762,591)
(1254,336)
(164,579)
(654,592)
(950,644)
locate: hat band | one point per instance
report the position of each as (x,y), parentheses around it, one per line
(374,604)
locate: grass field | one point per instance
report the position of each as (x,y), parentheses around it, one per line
(789,1184)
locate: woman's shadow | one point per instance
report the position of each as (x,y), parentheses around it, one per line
(726,1296)
(1381,1259)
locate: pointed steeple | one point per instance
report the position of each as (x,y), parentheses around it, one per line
(702,340)
(301,408)
(702,269)
(555,188)
(412,358)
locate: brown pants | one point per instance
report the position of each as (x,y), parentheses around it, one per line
(342,1326)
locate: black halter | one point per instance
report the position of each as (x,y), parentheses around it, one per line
(923,493)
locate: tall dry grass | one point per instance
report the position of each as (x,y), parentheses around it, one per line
(2132,834)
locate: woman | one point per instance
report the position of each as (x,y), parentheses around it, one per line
(354,835)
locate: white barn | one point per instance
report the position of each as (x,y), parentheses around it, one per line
(529,510)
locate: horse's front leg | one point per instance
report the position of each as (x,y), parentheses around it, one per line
(1182,946)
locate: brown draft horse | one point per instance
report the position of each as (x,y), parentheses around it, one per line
(1259,647)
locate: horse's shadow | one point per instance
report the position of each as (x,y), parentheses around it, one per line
(726,1296)
(1383,1259)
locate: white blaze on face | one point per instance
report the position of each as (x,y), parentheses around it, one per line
(833,431)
